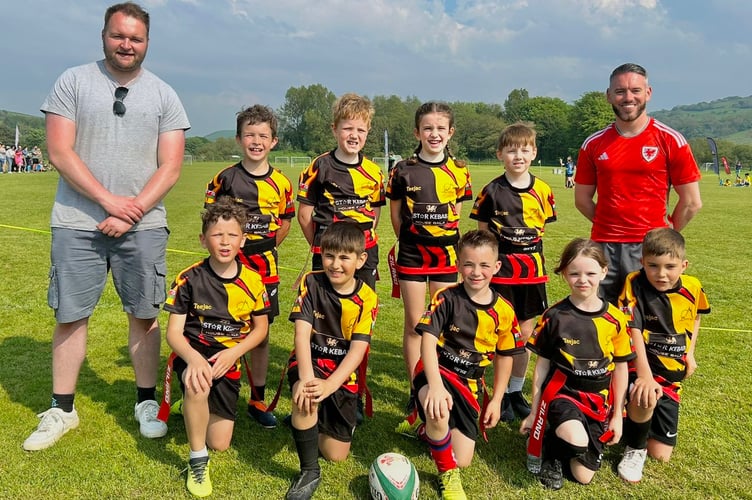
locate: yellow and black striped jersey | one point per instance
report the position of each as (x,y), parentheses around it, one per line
(219,311)
(429,194)
(666,319)
(342,192)
(268,199)
(336,319)
(583,345)
(470,334)
(517,216)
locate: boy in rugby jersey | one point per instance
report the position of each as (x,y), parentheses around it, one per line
(343,185)
(665,307)
(218,312)
(515,207)
(467,327)
(266,194)
(333,315)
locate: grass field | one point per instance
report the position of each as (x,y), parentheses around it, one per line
(106,458)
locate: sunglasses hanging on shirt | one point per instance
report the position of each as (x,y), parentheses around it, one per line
(118,107)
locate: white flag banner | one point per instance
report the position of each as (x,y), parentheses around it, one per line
(17,135)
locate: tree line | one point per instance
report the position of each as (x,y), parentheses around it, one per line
(305,124)
(305,127)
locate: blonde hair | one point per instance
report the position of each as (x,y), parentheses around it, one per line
(352,106)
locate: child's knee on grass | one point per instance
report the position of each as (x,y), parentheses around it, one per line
(218,443)
(580,473)
(333,449)
(219,433)
(659,451)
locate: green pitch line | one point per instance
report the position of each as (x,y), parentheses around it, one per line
(25,229)
(724,329)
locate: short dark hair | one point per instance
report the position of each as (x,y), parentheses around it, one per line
(130,9)
(663,241)
(478,238)
(253,115)
(343,237)
(225,208)
(627,68)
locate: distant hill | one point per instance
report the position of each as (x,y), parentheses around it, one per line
(11,119)
(227,134)
(729,118)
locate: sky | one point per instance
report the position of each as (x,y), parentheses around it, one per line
(222,55)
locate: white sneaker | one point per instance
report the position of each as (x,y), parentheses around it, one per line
(630,467)
(55,422)
(146,416)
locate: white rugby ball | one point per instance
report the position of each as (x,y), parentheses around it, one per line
(393,477)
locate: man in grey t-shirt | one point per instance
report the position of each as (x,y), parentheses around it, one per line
(116,134)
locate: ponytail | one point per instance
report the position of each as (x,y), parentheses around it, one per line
(459,163)
(414,158)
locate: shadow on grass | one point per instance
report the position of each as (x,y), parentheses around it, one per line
(25,355)
(359,486)
(26,378)
(254,444)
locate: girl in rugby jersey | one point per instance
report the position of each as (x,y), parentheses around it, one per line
(426,193)
(580,377)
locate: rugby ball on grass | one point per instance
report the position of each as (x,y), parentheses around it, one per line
(393,477)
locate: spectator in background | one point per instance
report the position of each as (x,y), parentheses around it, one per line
(3,159)
(18,159)
(36,159)
(569,173)
(10,154)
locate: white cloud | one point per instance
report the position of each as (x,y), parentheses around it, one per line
(222,54)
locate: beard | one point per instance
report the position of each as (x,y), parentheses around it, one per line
(117,64)
(629,116)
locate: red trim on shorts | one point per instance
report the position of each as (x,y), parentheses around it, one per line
(519,281)
(425,270)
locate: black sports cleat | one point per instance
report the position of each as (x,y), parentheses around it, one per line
(507,412)
(551,475)
(520,406)
(359,412)
(304,485)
